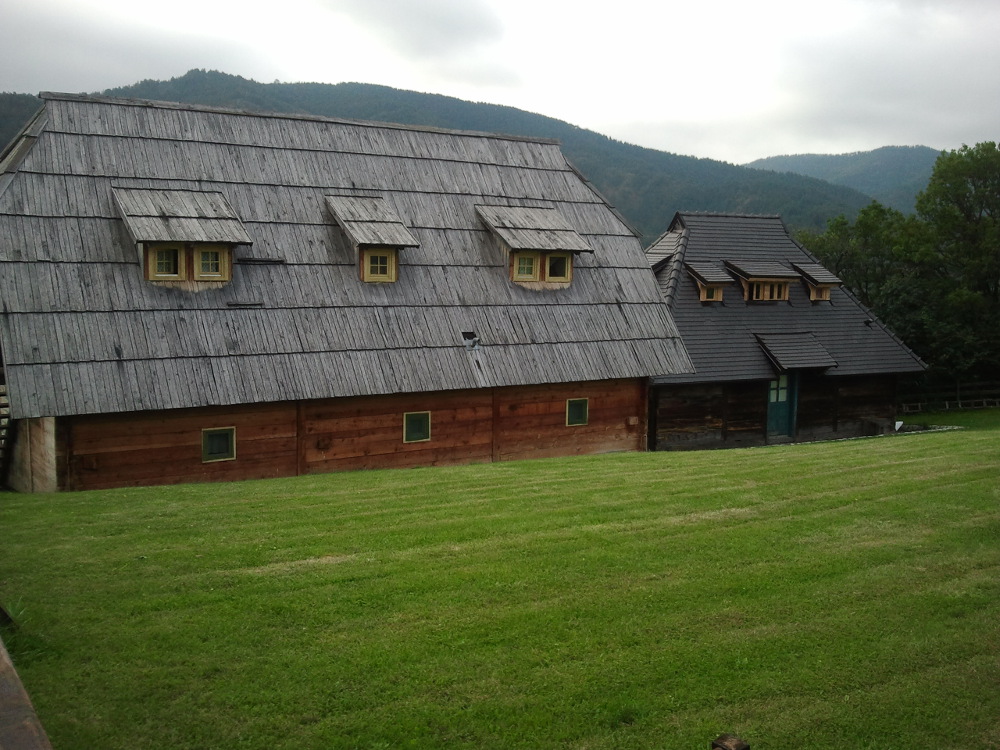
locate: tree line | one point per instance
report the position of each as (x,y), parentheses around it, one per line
(933,276)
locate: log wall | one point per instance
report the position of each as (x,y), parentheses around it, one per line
(289,438)
(727,415)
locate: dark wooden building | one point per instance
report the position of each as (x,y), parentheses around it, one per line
(195,294)
(782,351)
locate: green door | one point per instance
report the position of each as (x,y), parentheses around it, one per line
(781,399)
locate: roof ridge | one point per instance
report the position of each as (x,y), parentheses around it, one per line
(304,116)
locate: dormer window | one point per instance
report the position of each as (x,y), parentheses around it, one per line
(182,235)
(559,267)
(379,265)
(179,262)
(525,266)
(711,281)
(540,243)
(376,233)
(768,290)
(819,281)
(165,263)
(763,281)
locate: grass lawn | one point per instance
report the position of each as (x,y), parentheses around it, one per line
(838,595)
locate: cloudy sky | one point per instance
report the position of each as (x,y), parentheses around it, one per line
(728,79)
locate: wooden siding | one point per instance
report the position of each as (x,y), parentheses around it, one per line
(121,450)
(729,415)
(324,435)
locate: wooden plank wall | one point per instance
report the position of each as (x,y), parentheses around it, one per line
(367,432)
(531,423)
(290,438)
(710,415)
(728,415)
(124,450)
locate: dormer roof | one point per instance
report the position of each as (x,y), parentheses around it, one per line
(370,221)
(525,228)
(157,215)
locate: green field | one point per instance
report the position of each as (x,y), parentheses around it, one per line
(837,595)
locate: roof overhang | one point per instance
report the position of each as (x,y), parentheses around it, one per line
(179,216)
(752,270)
(524,228)
(795,351)
(369,221)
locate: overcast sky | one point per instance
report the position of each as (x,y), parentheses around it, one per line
(727,79)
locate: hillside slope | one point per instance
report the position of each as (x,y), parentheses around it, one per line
(893,175)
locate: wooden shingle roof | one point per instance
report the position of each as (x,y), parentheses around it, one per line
(83,332)
(738,340)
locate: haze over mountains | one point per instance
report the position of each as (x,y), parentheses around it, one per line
(646,185)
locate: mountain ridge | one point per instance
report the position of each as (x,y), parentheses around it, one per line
(647,186)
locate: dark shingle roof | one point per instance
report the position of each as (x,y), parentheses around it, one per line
(83,332)
(738,340)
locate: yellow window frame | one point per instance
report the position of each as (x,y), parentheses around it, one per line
(565,277)
(518,266)
(224,260)
(154,260)
(379,265)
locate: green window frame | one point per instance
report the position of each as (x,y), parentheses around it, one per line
(416,426)
(577,411)
(218,444)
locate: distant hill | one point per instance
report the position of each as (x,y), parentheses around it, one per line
(646,185)
(893,175)
(15,111)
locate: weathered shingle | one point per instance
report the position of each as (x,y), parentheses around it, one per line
(83,332)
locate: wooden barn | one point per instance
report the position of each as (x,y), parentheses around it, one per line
(196,294)
(782,351)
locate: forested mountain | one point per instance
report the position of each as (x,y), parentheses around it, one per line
(646,185)
(893,175)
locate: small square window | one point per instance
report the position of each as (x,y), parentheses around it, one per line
(378,265)
(211,263)
(218,444)
(525,266)
(577,411)
(166,263)
(416,426)
(709,292)
(559,267)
